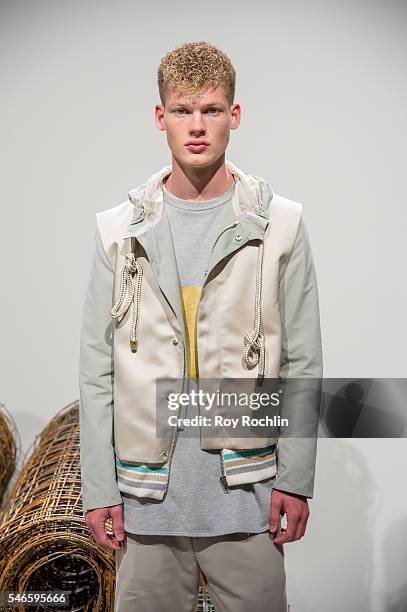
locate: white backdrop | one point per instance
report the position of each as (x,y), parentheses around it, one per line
(323,94)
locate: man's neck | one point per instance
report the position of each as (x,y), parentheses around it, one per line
(198,183)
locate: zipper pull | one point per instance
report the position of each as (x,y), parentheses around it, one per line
(224,484)
(259,380)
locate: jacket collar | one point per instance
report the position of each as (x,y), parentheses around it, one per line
(252,195)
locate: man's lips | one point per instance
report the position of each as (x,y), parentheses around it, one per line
(196,147)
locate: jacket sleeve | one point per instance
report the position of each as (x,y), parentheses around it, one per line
(97,457)
(301,360)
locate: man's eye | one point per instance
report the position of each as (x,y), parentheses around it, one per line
(183,111)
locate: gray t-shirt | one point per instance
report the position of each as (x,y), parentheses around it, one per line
(195,503)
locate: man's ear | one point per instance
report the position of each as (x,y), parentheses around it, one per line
(159,116)
(235,111)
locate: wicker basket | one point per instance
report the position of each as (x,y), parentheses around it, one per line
(45,544)
(8,448)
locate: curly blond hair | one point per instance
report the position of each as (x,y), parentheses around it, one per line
(195,67)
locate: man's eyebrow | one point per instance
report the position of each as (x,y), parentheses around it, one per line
(212,103)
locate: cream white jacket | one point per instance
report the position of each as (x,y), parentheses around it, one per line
(258,316)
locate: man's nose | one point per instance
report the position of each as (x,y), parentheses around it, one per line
(197,125)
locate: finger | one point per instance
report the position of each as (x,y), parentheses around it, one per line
(117,523)
(293,518)
(302,525)
(280,537)
(90,527)
(280,533)
(100,526)
(275,511)
(104,540)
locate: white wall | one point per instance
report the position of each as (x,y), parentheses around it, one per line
(323,94)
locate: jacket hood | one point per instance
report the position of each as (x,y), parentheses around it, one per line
(253,194)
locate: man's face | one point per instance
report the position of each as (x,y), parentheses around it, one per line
(198,129)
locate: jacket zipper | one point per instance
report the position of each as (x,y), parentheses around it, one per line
(175,436)
(206,272)
(224,230)
(176,432)
(222,478)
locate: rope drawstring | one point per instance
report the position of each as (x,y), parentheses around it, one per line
(255,351)
(129,292)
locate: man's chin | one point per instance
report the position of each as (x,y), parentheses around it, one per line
(196,160)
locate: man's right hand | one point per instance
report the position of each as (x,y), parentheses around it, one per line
(95,520)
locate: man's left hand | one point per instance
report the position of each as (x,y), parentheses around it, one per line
(297,511)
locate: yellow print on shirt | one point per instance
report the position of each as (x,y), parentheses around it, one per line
(190,295)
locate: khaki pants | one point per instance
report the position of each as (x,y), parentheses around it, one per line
(245,573)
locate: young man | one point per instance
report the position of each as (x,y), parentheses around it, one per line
(203,273)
